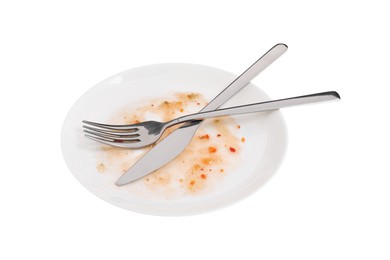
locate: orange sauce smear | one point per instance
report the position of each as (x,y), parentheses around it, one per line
(213,152)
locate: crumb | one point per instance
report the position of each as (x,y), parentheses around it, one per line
(192,96)
(101,167)
(243,139)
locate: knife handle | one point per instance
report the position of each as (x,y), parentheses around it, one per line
(245,78)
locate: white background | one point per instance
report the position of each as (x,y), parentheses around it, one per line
(330,198)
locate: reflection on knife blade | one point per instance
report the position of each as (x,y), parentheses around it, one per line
(170,147)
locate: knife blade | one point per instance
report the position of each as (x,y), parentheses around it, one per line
(174,144)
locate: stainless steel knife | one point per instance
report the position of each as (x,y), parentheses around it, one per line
(174,144)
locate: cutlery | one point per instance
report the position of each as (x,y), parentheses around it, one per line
(171,146)
(148,132)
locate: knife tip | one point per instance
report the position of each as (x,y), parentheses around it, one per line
(125,179)
(120,182)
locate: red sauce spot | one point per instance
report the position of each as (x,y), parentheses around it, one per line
(192,182)
(232,149)
(203,176)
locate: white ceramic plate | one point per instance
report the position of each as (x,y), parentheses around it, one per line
(260,156)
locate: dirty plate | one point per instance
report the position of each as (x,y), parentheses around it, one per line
(228,160)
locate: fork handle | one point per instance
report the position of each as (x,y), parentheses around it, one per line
(259,107)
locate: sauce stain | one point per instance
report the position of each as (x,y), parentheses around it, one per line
(211,155)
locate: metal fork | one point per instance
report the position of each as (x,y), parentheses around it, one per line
(148,132)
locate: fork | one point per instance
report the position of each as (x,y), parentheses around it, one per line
(146,133)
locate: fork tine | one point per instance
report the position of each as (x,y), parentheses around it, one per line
(111,132)
(112,142)
(113,137)
(112,127)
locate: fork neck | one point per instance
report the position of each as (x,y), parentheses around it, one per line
(186,118)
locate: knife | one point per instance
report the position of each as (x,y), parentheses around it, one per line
(174,144)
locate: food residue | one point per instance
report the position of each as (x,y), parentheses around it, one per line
(100,167)
(206,136)
(202,165)
(212,149)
